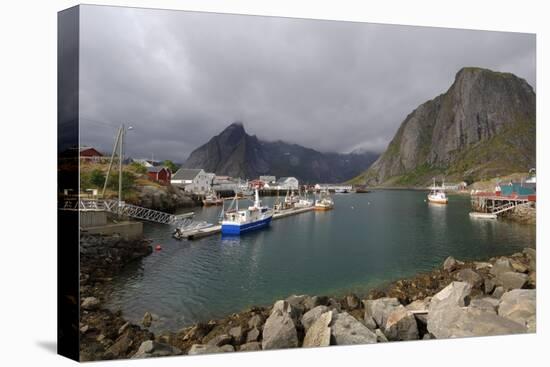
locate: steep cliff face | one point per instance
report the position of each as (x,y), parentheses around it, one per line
(483,126)
(235,153)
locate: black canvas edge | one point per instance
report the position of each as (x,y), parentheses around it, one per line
(68,300)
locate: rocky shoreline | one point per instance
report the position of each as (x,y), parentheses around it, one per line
(458,299)
(166,198)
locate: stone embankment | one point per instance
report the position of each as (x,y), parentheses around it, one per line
(459,299)
(524,214)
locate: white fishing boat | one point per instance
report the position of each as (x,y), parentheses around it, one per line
(255,217)
(324,202)
(437,195)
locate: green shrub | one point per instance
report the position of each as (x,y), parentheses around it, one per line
(97,178)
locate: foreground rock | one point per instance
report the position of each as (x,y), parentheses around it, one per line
(151,348)
(520,305)
(279,329)
(450,318)
(347,330)
(401,325)
(318,334)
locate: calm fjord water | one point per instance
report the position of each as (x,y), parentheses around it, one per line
(366,241)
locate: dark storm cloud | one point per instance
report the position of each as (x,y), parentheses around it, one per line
(181,77)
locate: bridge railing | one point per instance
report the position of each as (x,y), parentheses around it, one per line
(133,211)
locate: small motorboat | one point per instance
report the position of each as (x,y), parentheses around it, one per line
(437,195)
(324,202)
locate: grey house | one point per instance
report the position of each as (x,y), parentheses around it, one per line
(194,180)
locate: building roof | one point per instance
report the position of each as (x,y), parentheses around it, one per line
(186,174)
(84,149)
(156,169)
(284,179)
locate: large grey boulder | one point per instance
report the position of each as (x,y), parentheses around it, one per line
(279,329)
(286,307)
(458,322)
(469,276)
(502,265)
(309,317)
(520,305)
(401,325)
(380,309)
(455,294)
(512,280)
(151,348)
(485,303)
(318,334)
(346,330)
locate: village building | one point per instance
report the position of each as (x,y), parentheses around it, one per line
(286,183)
(332,187)
(194,180)
(90,154)
(458,186)
(224,183)
(257,184)
(159,174)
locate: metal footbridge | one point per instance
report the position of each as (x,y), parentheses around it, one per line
(133,211)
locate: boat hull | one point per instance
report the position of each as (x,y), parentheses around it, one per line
(323,208)
(477,215)
(438,200)
(237,229)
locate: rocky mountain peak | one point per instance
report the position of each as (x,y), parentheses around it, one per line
(484,125)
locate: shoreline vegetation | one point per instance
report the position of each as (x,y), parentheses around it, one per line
(457,299)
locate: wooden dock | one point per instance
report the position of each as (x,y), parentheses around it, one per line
(209,231)
(487,205)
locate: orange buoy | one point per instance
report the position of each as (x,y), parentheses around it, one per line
(158,247)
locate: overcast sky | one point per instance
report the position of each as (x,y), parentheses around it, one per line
(181,77)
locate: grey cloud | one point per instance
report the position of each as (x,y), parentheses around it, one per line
(181,77)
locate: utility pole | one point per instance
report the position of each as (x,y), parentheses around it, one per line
(116,145)
(120,159)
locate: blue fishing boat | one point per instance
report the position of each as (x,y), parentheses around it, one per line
(237,221)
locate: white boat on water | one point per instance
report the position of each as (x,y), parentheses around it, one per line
(255,217)
(478,215)
(437,195)
(324,202)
